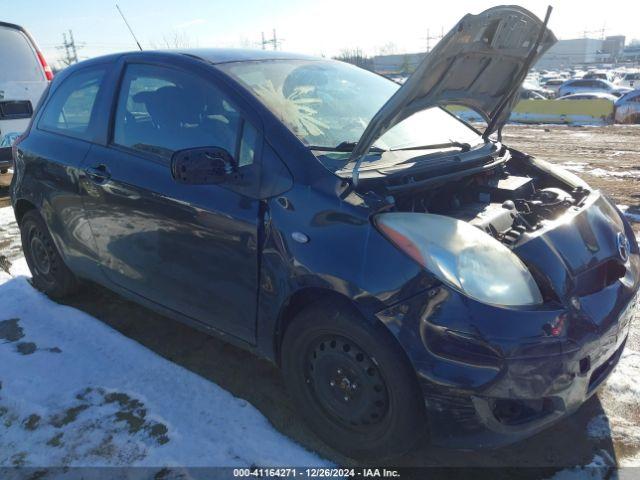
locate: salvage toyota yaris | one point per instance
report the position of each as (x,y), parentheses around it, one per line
(409,273)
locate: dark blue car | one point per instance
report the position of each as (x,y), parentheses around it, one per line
(411,275)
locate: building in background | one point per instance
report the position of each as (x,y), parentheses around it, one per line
(631,54)
(397,64)
(567,53)
(613,46)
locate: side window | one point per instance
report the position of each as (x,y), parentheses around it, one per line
(161,110)
(70,108)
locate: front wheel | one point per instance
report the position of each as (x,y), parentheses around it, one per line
(352,383)
(49,273)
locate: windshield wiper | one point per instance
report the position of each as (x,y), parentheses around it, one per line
(465,147)
(343,147)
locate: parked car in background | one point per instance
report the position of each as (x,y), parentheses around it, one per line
(628,108)
(553,84)
(598,74)
(582,85)
(24,75)
(531,89)
(527,94)
(629,79)
(590,96)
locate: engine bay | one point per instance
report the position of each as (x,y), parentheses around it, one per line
(504,202)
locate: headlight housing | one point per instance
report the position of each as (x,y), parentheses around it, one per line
(462,256)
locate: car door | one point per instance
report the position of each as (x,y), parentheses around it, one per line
(55,149)
(190,248)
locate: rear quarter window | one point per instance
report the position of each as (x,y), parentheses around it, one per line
(70,108)
(18,60)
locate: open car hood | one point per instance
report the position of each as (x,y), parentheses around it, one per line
(479,64)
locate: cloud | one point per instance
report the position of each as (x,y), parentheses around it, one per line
(190,23)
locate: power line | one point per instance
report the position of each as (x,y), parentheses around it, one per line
(429,37)
(274,41)
(70,48)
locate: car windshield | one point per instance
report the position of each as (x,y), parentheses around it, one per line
(328,104)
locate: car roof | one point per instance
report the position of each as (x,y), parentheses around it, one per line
(210,55)
(226,55)
(631,94)
(11,25)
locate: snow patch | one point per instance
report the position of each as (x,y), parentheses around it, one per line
(623,384)
(74,392)
(624,431)
(574,166)
(601,172)
(582,167)
(599,468)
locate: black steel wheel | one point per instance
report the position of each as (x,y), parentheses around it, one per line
(346,382)
(49,273)
(352,382)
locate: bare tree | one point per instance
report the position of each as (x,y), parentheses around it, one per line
(173,41)
(388,48)
(356,57)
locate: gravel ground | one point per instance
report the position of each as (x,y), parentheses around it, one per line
(605,431)
(608,158)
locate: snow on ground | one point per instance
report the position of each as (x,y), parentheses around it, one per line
(598,469)
(9,238)
(75,392)
(581,167)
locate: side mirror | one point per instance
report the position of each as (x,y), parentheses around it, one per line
(202,165)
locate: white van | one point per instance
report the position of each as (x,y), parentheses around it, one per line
(24,75)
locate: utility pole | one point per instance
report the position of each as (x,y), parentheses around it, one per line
(70,49)
(436,37)
(274,41)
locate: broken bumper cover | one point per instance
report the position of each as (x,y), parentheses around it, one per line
(484,391)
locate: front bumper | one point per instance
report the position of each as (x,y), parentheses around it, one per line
(476,399)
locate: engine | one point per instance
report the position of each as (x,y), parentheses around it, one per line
(502,203)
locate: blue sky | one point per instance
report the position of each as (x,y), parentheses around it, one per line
(319,27)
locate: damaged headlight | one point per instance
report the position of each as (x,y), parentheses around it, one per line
(462,256)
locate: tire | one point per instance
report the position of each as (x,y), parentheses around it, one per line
(352,383)
(3,171)
(49,273)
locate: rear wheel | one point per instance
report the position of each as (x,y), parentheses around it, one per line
(49,273)
(352,383)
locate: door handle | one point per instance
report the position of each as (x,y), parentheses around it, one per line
(99,174)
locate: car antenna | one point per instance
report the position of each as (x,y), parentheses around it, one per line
(129,27)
